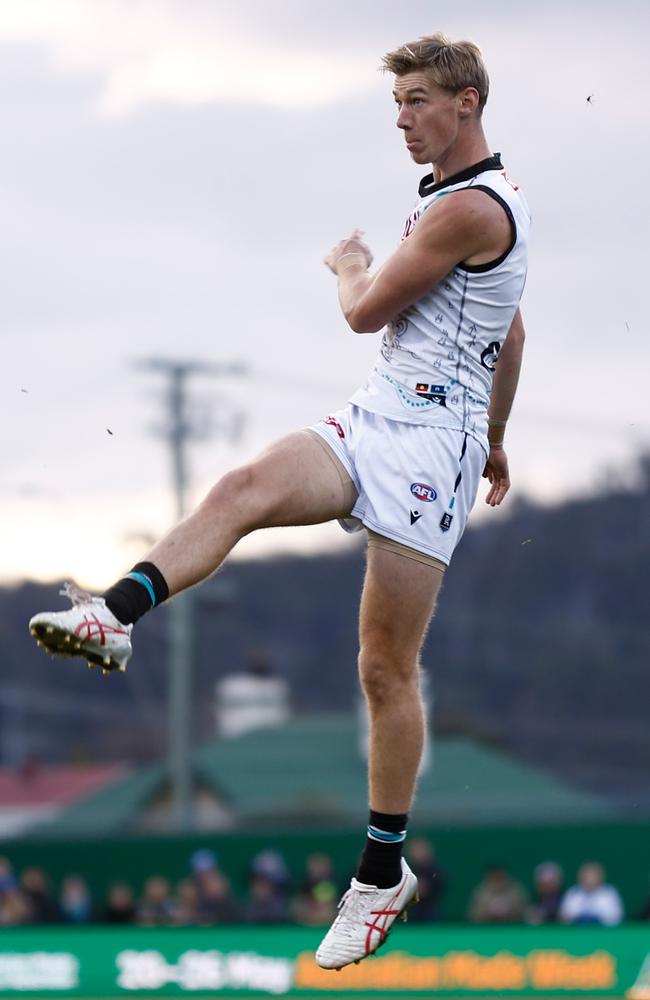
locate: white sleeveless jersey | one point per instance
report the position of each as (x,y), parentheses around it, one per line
(438,356)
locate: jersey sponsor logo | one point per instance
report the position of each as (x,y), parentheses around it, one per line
(490,355)
(424,492)
(334,423)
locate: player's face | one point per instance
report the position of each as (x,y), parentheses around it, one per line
(428,116)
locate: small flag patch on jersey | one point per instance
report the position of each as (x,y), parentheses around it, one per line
(434,393)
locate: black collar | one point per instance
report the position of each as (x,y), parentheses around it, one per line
(427,185)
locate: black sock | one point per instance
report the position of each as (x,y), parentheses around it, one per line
(139,591)
(380,863)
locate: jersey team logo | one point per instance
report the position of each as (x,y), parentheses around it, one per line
(490,355)
(424,492)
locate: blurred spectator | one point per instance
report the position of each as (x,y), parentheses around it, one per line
(120,904)
(14,908)
(267,903)
(268,889)
(548,879)
(251,699)
(36,887)
(431,879)
(214,903)
(591,901)
(7,877)
(155,906)
(316,902)
(205,897)
(75,902)
(203,860)
(497,899)
(215,900)
(185,906)
(271,865)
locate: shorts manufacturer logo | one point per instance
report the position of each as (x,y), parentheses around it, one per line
(423,492)
(415,516)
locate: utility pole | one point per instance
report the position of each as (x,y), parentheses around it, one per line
(180,426)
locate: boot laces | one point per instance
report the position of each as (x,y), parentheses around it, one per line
(75,594)
(353,909)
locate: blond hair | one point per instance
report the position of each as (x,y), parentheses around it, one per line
(452,65)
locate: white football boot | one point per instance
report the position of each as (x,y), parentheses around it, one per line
(366,915)
(88,629)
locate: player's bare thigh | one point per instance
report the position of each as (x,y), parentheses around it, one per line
(295,481)
(399,597)
(298,480)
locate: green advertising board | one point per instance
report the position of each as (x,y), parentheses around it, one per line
(451,961)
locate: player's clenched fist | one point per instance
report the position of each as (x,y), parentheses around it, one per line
(353,249)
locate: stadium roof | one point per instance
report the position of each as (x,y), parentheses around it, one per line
(37,792)
(310,771)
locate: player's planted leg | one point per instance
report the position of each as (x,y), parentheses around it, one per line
(398,599)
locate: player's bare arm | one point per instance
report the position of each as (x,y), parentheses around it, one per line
(504,387)
(465,226)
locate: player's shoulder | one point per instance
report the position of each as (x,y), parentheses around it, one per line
(503,189)
(463,208)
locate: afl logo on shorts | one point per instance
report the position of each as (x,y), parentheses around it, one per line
(425,493)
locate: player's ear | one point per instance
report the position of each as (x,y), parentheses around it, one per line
(468,101)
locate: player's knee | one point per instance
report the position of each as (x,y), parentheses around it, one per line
(234,495)
(233,486)
(384,675)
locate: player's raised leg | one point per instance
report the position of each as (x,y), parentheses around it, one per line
(398,599)
(295,481)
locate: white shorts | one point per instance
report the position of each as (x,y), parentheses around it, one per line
(416,484)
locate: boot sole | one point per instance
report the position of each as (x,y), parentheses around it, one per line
(59,642)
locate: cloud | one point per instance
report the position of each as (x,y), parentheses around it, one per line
(153,50)
(162,51)
(193,220)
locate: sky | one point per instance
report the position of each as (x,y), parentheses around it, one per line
(172,174)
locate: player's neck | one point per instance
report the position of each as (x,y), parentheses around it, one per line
(463,154)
